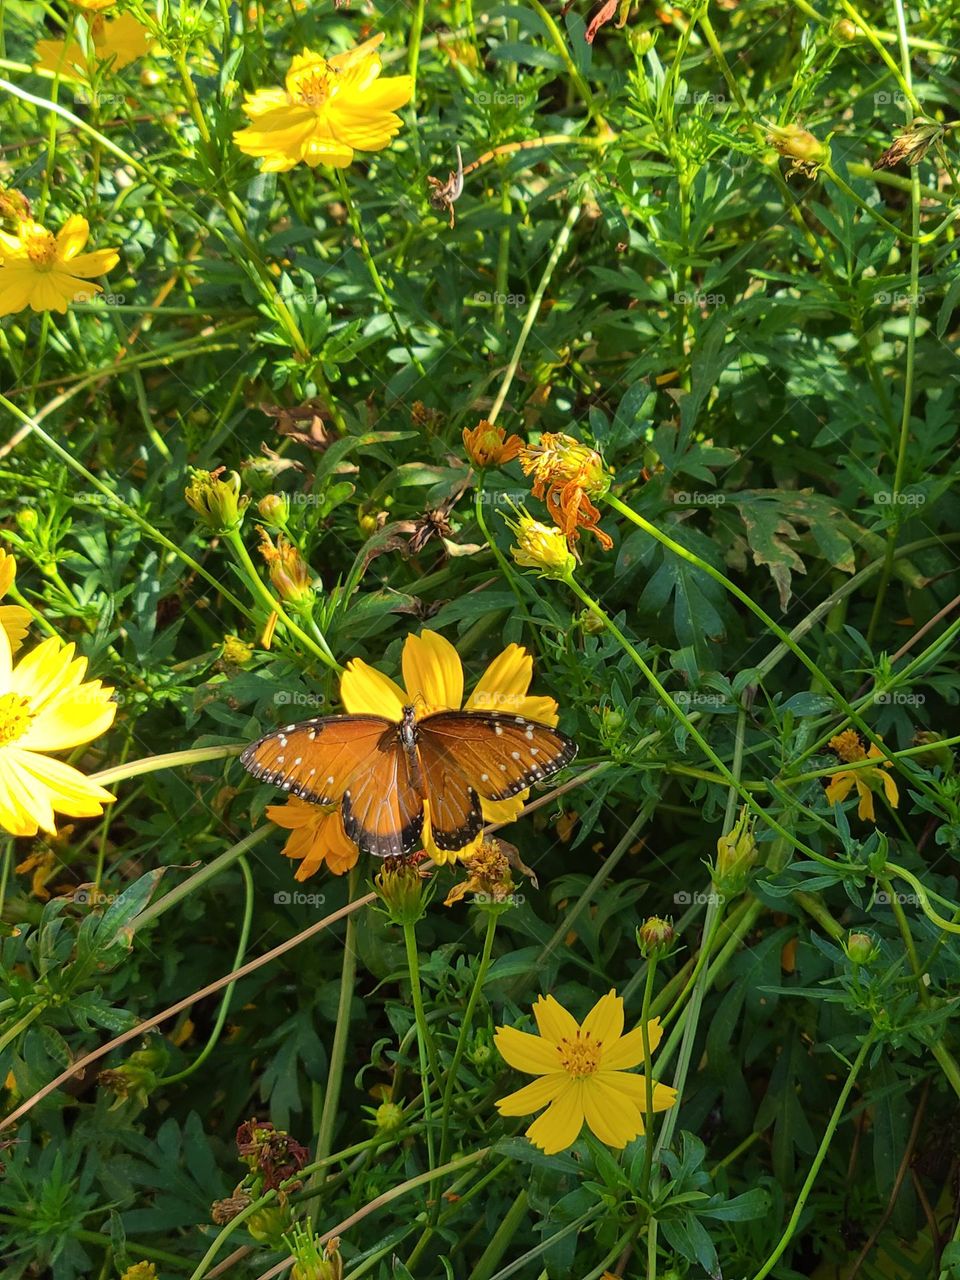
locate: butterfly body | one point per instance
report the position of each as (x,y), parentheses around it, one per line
(382,771)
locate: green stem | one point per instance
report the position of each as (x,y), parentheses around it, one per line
(21,1025)
(425,1048)
(228,992)
(171,760)
(818,1160)
(209,872)
(453,1075)
(648,1078)
(560,44)
(341,1036)
(501,1240)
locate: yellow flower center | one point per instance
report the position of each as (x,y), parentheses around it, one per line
(580,1054)
(41,246)
(15,717)
(848,746)
(312,86)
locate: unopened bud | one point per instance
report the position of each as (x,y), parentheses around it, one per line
(402,890)
(800,146)
(736,855)
(844,31)
(274,510)
(655,938)
(215,497)
(861,948)
(389,1117)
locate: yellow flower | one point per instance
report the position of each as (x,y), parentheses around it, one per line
(849,748)
(94,6)
(541,546)
(46,271)
(329,108)
(13,619)
(584,1075)
(120,41)
(567,475)
(45,705)
(317,837)
(433,676)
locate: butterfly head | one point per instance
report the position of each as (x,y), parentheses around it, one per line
(408,726)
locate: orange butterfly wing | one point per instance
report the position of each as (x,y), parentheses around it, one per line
(469,755)
(383,805)
(316,759)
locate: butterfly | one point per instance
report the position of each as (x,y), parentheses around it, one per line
(381,771)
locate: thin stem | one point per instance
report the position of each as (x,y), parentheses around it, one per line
(341,1036)
(228,993)
(818,1160)
(171,760)
(648,1079)
(425,1049)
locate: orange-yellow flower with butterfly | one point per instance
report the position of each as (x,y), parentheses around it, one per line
(420,766)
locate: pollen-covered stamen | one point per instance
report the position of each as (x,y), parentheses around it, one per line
(313,86)
(580,1054)
(15,717)
(40,244)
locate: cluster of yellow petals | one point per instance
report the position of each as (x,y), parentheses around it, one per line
(117,41)
(567,475)
(46,272)
(584,1075)
(850,749)
(327,109)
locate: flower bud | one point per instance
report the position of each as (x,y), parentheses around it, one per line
(267,1225)
(313,1260)
(861,948)
(937,756)
(844,31)
(540,546)
(236,652)
(215,497)
(138,1077)
(806,152)
(402,890)
(289,572)
(655,938)
(388,1117)
(274,510)
(736,855)
(27,519)
(140,1271)
(224,1211)
(910,146)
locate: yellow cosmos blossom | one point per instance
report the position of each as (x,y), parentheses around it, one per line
(584,1074)
(317,837)
(45,705)
(118,41)
(849,748)
(46,271)
(433,679)
(328,109)
(13,619)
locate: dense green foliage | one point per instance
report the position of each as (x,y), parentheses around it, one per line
(762,347)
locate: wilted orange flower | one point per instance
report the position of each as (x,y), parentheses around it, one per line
(850,748)
(490,446)
(289,572)
(489,876)
(566,476)
(317,837)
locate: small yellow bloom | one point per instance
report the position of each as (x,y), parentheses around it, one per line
(489,876)
(45,705)
(94,6)
(119,42)
(289,572)
(317,837)
(849,748)
(140,1271)
(541,546)
(216,498)
(433,676)
(328,109)
(584,1075)
(13,619)
(45,271)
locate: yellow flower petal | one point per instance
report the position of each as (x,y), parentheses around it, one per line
(628,1050)
(533,1096)
(432,673)
(560,1125)
(553,1021)
(634,1087)
(505,682)
(605,1020)
(865,809)
(525,1052)
(840,787)
(889,784)
(366,691)
(612,1116)
(72,236)
(15,621)
(77,716)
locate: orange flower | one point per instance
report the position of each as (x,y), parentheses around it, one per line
(490,446)
(317,837)
(566,476)
(850,749)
